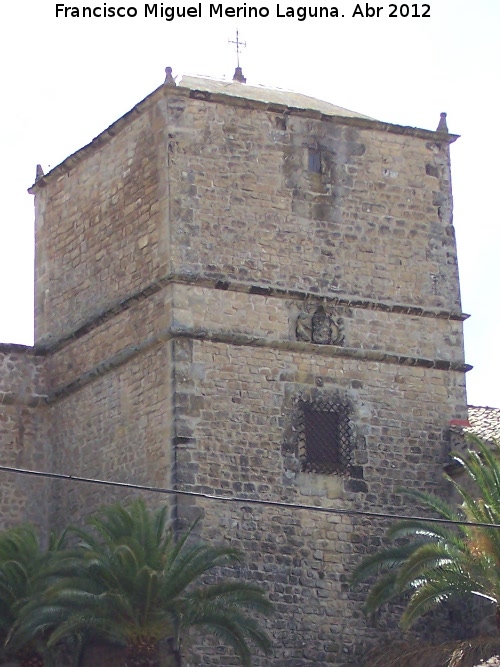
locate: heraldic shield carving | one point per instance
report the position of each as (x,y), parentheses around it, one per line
(319,327)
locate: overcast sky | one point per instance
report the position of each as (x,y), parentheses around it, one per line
(66,79)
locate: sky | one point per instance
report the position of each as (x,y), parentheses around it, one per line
(65,79)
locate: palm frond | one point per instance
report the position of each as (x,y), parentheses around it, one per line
(234,630)
(429,557)
(433,502)
(447,654)
(382,591)
(422,530)
(428,596)
(391,557)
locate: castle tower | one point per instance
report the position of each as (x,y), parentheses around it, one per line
(251,293)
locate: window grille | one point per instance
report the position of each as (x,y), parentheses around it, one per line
(325,436)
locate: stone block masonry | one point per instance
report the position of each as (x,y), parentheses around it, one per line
(216,260)
(23,436)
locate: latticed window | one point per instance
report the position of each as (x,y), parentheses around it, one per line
(325,436)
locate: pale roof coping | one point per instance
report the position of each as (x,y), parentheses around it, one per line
(266,95)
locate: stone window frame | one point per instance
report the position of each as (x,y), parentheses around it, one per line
(295,458)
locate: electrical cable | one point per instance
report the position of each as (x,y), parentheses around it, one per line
(247,501)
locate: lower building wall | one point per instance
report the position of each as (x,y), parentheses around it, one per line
(23,437)
(239,442)
(116,428)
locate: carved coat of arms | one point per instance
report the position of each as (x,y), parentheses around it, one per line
(319,327)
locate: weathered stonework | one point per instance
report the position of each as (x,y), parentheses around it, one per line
(23,436)
(207,262)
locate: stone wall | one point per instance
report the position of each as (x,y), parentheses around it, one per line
(116,428)
(429,335)
(100,227)
(110,407)
(374,222)
(23,436)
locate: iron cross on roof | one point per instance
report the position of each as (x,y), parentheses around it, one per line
(238,73)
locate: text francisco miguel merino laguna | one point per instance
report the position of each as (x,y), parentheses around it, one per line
(169,13)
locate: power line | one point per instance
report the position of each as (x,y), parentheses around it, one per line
(246,501)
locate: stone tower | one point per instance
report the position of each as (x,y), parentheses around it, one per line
(251,293)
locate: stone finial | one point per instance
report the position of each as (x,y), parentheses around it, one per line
(39,172)
(442,127)
(169,79)
(238,75)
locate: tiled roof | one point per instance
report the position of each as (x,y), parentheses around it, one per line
(484,422)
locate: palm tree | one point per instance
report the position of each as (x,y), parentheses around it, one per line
(24,571)
(136,586)
(438,562)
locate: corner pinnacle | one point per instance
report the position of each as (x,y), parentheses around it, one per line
(169,79)
(442,127)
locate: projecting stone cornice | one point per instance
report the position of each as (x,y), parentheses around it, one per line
(314,349)
(340,299)
(8,348)
(30,401)
(171,333)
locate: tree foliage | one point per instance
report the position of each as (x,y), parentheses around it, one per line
(25,571)
(129,582)
(432,563)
